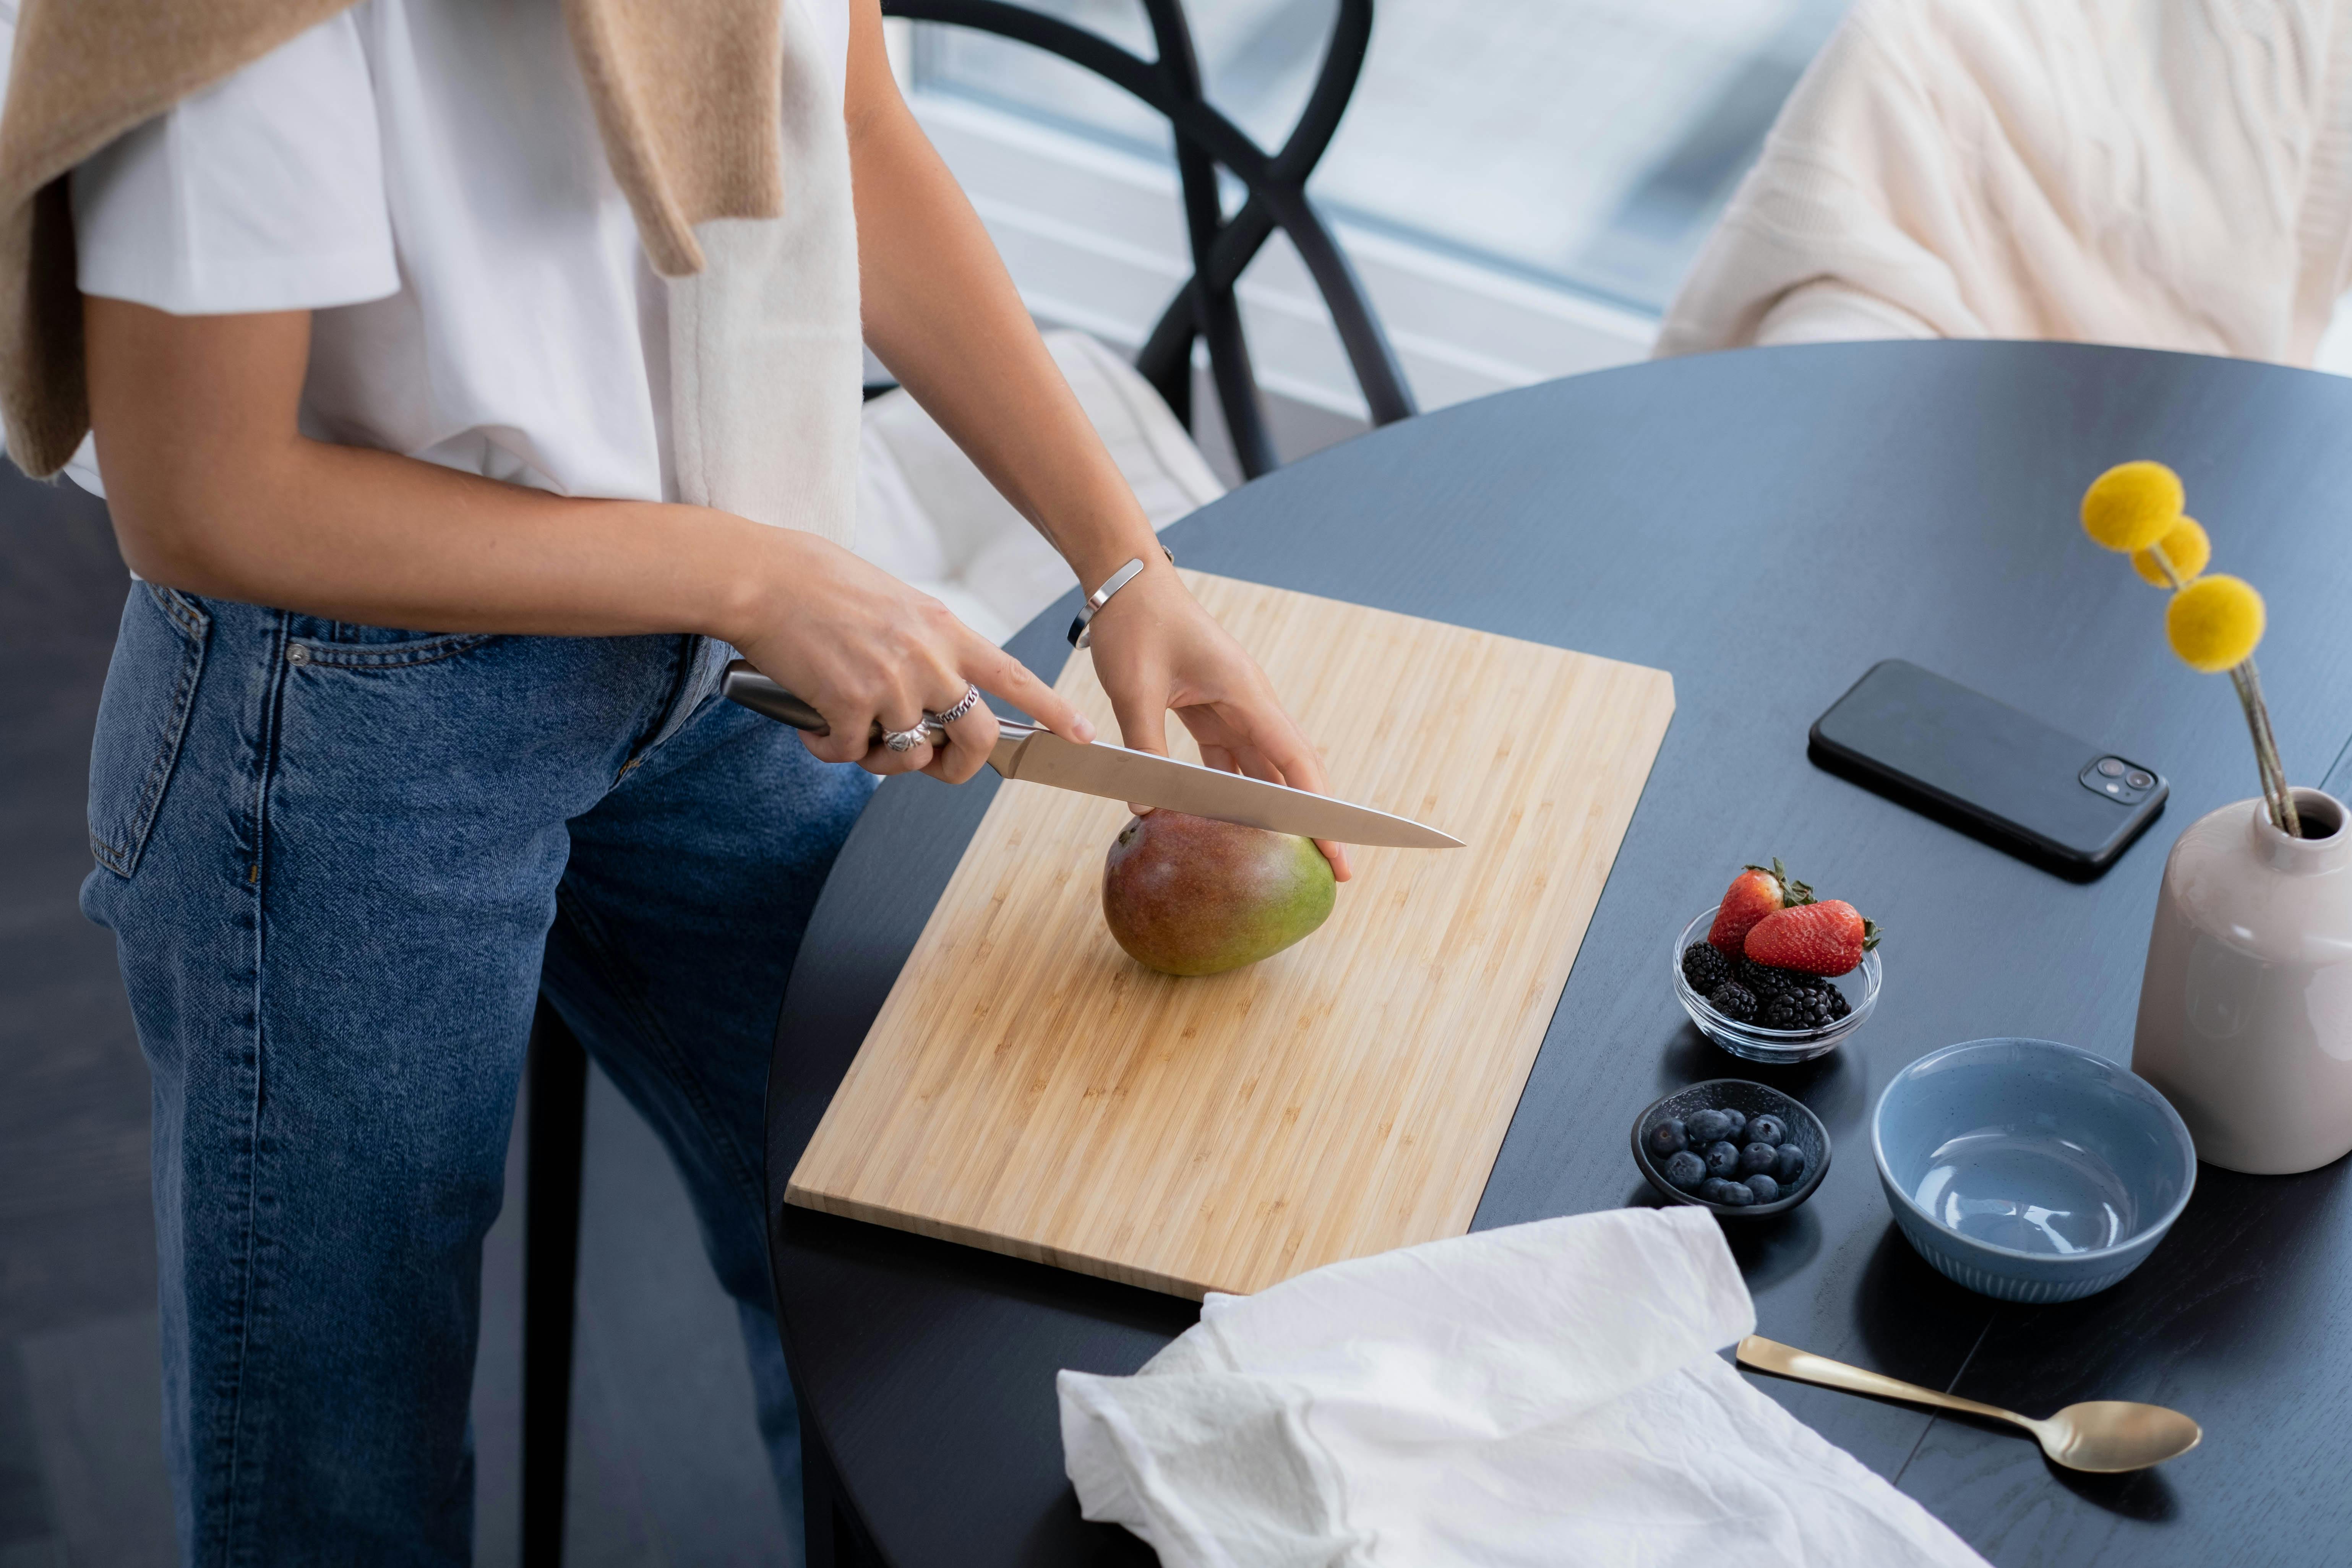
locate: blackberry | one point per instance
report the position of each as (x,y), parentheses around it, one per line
(1705,967)
(1767,982)
(1798,1007)
(1734,1000)
(1839,1006)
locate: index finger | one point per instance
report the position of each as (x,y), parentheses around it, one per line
(1000,674)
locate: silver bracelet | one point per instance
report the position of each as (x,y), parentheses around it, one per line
(1079,634)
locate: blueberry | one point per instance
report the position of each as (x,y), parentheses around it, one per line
(1686,1171)
(1722,1158)
(1766,1129)
(1739,1119)
(1789,1165)
(1666,1138)
(1757,1159)
(1736,1196)
(1707,1127)
(1766,1189)
(1713,1189)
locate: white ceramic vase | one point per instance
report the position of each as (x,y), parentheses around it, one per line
(2246,1012)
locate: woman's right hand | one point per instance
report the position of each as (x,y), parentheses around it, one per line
(859,645)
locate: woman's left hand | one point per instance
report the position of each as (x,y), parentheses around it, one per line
(1156,649)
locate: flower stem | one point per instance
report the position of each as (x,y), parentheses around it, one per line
(2249,682)
(2253,726)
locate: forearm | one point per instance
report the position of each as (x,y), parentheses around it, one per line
(214,490)
(943,314)
(382,539)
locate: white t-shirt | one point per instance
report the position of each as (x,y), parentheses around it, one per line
(425,176)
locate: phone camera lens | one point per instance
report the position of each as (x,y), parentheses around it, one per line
(2111,767)
(2140,780)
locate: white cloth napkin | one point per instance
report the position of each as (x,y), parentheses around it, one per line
(1548,1394)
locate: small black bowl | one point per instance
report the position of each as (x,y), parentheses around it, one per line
(1750,1100)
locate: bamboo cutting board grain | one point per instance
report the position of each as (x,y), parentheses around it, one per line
(1030,1088)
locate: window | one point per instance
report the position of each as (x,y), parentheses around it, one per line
(1587,144)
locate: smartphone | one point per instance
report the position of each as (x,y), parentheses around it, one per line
(2054,799)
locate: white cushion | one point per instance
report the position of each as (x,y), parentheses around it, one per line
(928,516)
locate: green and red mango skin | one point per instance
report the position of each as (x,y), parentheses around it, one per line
(1185,895)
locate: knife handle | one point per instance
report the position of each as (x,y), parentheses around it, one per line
(748,686)
(760,695)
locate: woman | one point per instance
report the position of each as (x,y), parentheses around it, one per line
(365,321)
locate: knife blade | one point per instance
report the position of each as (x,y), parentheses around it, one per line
(1036,755)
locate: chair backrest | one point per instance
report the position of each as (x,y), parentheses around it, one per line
(1222,247)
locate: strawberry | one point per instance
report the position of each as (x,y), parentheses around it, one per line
(1753,894)
(1827,938)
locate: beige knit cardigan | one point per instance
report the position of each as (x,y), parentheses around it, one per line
(721,126)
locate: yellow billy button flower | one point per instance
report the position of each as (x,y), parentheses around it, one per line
(2184,545)
(2214,622)
(2132,505)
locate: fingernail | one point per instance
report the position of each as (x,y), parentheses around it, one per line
(1084,729)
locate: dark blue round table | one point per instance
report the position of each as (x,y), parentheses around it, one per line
(1765,525)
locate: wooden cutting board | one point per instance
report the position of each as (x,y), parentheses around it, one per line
(1030,1088)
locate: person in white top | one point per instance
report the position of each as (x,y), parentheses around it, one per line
(411,718)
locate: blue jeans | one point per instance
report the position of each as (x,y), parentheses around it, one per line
(333,858)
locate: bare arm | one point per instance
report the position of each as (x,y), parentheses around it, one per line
(941,312)
(214,490)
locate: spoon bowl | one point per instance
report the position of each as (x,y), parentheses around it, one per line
(2108,1437)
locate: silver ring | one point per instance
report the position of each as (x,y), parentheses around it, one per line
(904,740)
(964,704)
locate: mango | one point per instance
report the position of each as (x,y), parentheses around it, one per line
(1185,895)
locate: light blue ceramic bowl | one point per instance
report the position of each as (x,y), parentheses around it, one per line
(2029,1170)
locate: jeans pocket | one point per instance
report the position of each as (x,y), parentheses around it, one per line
(350,646)
(142,715)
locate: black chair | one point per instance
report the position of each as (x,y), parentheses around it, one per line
(1204,307)
(1222,247)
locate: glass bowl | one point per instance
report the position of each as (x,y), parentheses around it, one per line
(1753,1043)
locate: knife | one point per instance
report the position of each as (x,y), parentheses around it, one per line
(1036,755)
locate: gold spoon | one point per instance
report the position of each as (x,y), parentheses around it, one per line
(2106,1436)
